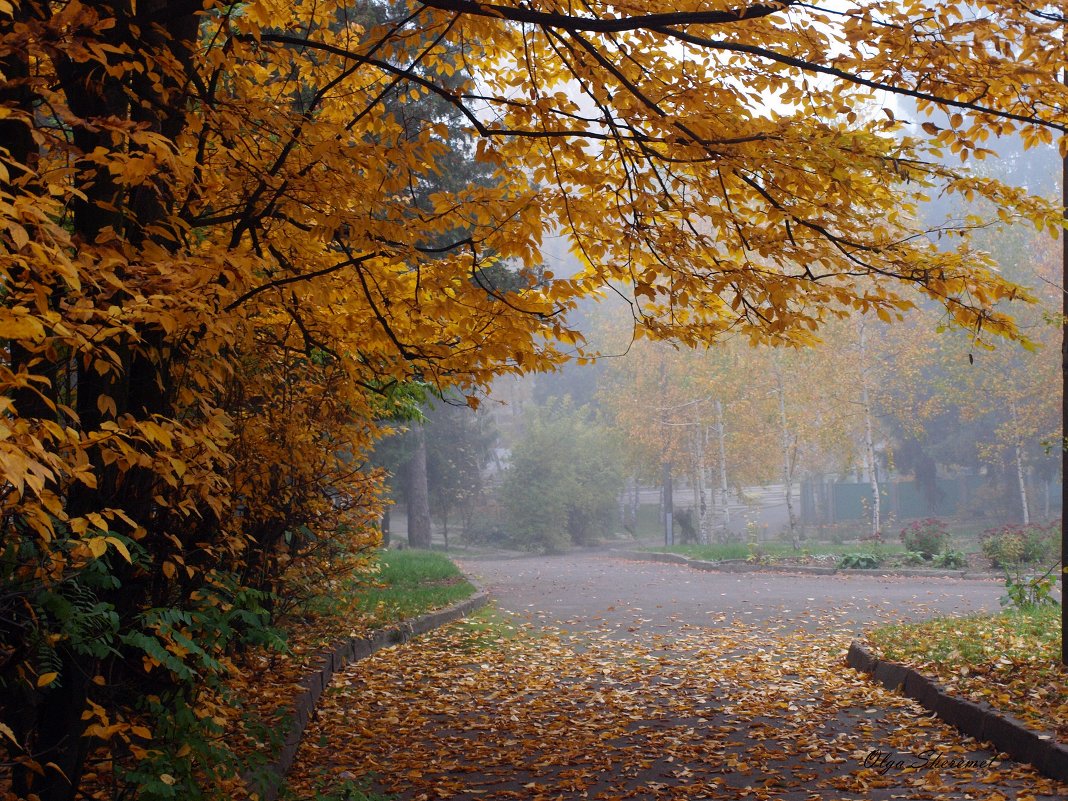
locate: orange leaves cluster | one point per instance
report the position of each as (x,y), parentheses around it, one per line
(217,283)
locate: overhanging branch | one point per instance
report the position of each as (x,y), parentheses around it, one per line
(570,22)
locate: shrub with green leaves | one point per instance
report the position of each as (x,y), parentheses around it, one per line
(563,483)
(860,561)
(1027,591)
(1015,544)
(927,537)
(950,559)
(913,558)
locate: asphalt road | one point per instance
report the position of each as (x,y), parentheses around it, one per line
(649,681)
(590,591)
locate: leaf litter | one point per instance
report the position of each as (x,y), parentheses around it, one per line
(1010,661)
(725,710)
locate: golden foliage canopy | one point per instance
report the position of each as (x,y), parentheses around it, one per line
(228,237)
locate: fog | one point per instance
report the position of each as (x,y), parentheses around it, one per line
(808,453)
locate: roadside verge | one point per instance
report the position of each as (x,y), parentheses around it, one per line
(732,566)
(976,719)
(267,781)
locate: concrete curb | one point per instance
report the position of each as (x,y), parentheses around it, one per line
(733,566)
(266,782)
(978,720)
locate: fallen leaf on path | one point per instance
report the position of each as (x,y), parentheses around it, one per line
(716,712)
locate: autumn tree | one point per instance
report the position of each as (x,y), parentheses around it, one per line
(700,411)
(217,272)
(190,384)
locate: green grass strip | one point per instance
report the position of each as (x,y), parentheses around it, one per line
(410,583)
(952,642)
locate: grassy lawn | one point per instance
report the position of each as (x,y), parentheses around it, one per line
(1010,660)
(409,583)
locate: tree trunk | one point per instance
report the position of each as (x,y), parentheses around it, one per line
(724,487)
(869,437)
(418,495)
(143,388)
(704,512)
(1064,406)
(636,502)
(698,502)
(1021,473)
(787,462)
(669,507)
(1021,478)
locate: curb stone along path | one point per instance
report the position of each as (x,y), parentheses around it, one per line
(978,720)
(267,781)
(750,567)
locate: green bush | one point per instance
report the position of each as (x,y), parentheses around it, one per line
(1026,592)
(860,561)
(563,483)
(927,537)
(913,558)
(1014,544)
(757,554)
(952,560)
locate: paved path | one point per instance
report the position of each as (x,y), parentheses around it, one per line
(590,590)
(654,681)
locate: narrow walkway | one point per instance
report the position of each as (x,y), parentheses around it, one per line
(639,680)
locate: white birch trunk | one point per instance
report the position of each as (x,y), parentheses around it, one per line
(724,487)
(869,436)
(1021,474)
(704,513)
(787,461)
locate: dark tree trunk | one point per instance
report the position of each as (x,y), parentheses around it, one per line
(142,387)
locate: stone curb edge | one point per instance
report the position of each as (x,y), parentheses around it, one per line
(978,720)
(266,782)
(745,567)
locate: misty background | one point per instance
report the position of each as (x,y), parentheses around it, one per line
(886,422)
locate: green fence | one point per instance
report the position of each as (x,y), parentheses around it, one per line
(836,501)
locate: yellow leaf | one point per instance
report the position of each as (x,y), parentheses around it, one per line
(16,324)
(19,236)
(97,546)
(7,732)
(106,405)
(47,678)
(120,546)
